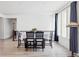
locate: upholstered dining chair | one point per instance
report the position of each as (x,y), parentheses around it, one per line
(50,40)
(21,36)
(19,40)
(48,36)
(39,39)
(29,41)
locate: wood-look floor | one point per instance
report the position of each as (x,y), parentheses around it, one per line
(8,48)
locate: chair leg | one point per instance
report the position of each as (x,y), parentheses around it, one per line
(25,45)
(33,46)
(43,50)
(50,43)
(19,43)
(43,45)
(36,46)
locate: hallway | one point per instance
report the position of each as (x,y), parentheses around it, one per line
(8,48)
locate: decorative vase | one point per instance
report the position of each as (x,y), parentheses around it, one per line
(34,29)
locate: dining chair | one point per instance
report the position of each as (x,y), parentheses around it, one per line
(21,37)
(39,39)
(48,38)
(29,41)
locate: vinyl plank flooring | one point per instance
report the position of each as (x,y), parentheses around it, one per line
(8,48)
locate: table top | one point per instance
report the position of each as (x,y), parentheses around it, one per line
(35,31)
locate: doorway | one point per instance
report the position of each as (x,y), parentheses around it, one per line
(10,27)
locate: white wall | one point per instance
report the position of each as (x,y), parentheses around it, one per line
(7,28)
(40,20)
(1,28)
(27,22)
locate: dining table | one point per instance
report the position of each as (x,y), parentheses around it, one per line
(18,34)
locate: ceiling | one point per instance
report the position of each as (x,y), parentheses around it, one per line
(30,7)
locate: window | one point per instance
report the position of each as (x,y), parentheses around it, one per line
(64,23)
(59,24)
(68,21)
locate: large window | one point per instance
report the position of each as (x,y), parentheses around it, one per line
(59,24)
(64,23)
(63,20)
(63,30)
(67,22)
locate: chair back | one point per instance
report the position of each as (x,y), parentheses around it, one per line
(39,34)
(30,34)
(19,35)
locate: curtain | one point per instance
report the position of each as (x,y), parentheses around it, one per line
(73,30)
(55,35)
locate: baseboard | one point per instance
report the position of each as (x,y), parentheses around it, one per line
(8,38)
(62,45)
(77,54)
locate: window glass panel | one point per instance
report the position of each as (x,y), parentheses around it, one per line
(59,24)
(64,23)
(68,21)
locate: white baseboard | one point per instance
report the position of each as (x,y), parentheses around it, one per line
(77,54)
